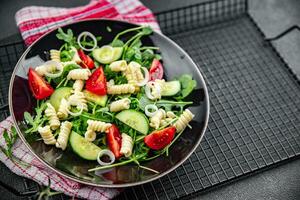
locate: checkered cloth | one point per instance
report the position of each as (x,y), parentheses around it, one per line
(35,21)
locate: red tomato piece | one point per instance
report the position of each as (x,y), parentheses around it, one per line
(156,70)
(39,87)
(160,139)
(114,140)
(87,61)
(97,82)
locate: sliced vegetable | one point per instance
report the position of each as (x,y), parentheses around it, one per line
(87,61)
(135,120)
(156,70)
(160,139)
(85,34)
(153,90)
(114,140)
(53,68)
(98,99)
(38,86)
(107,54)
(83,148)
(97,82)
(75,114)
(108,153)
(170,88)
(56,97)
(151,110)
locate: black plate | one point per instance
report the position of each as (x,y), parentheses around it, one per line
(175,61)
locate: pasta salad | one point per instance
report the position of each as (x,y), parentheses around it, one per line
(108,103)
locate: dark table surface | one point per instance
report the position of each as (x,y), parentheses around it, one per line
(273,17)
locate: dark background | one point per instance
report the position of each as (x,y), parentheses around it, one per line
(273,17)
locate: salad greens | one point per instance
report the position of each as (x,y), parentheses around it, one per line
(108,99)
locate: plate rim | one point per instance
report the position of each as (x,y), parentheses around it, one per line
(122,185)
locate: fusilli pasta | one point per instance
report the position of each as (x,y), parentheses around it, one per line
(63,109)
(90,135)
(127,145)
(55,55)
(63,136)
(78,99)
(120,89)
(78,85)
(155,121)
(119,105)
(98,126)
(52,116)
(47,135)
(118,66)
(81,74)
(183,120)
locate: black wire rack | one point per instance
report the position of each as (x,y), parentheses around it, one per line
(255,99)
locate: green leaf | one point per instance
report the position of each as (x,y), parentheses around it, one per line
(187,85)
(147,30)
(117,43)
(28,118)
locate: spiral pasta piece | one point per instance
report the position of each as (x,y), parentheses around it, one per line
(62,112)
(79,74)
(127,145)
(52,116)
(78,85)
(183,120)
(90,135)
(156,120)
(55,55)
(120,89)
(47,135)
(122,104)
(41,70)
(171,114)
(98,126)
(134,74)
(63,136)
(118,66)
(78,99)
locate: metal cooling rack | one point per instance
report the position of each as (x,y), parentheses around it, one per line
(255,100)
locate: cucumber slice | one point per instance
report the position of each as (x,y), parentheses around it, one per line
(58,94)
(107,54)
(117,53)
(170,88)
(100,100)
(135,120)
(83,148)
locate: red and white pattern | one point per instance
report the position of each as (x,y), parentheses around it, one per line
(33,22)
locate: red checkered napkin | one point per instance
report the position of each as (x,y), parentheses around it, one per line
(35,21)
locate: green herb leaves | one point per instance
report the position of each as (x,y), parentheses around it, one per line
(38,120)
(67,37)
(187,85)
(10,138)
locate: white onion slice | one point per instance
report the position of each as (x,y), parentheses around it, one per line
(58,66)
(146,77)
(107,153)
(77,113)
(152,85)
(86,33)
(148,109)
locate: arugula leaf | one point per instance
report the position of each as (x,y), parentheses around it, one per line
(117,43)
(67,37)
(28,118)
(187,85)
(147,30)
(9,140)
